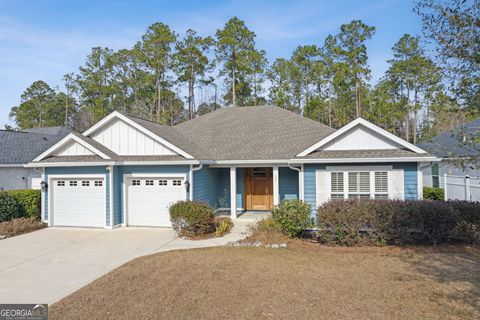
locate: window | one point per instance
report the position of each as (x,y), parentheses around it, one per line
(336,186)
(162,182)
(435,179)
(135,182)
(381,185)
(98,183)
(61,183)
(177,182)
(73,183)
(85,183)
(149,182)
(359,185)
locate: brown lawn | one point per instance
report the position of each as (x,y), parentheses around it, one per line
(294,283)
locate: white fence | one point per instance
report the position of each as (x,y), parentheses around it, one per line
(462,188)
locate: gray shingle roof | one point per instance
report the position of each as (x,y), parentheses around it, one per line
(379,153)
(253,133)
(17,147)
(450,144)
(114,158)
(62,131)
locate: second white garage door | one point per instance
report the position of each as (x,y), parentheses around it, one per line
(148,200)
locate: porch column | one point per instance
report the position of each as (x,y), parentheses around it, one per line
(276,193)
(233,192)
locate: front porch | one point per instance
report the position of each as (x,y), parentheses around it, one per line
(246,191)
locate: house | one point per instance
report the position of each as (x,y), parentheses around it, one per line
(459,156)
(126,171)
(17,148)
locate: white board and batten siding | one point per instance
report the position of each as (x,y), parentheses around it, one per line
(124,139)
(323,181)
(73,148)
(360,138)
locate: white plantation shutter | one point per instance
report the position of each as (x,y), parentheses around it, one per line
(381,185)
(322,186)
(395,184)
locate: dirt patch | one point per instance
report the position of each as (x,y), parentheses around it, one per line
(20,226)
(259,283)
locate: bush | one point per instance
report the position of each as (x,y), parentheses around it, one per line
(430,193)
(223,225)
(192,218)
(10,208)
(292,216)
(380,222)
(30,200)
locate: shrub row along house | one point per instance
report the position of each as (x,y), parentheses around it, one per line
(127,171)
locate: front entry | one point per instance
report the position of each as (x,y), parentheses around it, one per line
(258,188)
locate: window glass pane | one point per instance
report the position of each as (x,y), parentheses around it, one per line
(364,181)
(358,182)
(381,196)
(381,182)
(435,169)
(336,197)
(352,182)
(435,182)
(336,182)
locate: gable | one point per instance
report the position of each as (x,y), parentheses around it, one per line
(361,138)
(73,148)
(124,139)
(361,135)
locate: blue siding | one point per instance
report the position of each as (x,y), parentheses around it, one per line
(310,184)
(288,183)
(240,188)
(410,179)
(80,170)
(119,182)
(205,184)
(223,188)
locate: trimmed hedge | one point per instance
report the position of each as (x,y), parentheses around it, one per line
(292,216)
(30,200)
(431,193)
(192,218)
(380,222)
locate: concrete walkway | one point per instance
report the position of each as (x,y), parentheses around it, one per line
(47,265)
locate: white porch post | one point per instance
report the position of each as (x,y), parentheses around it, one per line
(233,192)
(276,193)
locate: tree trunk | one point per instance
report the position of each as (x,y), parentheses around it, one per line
(357,98)
(234,94)
(415,119)
(158,99)
(191,98)
(330,104)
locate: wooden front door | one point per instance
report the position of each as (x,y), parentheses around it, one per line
(258,188)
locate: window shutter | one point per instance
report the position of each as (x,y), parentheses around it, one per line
(381,182)
(322,186)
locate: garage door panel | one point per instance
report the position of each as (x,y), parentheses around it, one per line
(149,199)
(79,202)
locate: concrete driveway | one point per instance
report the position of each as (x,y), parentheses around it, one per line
(47,265)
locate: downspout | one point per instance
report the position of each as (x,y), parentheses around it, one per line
(300,180)
(192,169)
(42,193)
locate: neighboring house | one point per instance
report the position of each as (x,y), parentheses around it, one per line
(459,158)
(126,171)
(17,148)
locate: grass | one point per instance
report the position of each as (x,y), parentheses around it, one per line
(19,226)
(305,281)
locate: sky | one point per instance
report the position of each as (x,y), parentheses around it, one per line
(44,40)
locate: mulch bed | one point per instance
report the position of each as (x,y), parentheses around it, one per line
(19,226)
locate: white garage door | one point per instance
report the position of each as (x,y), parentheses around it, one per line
(148,200)
(79,202)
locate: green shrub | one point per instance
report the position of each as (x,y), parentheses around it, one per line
(223,225)
(192,217)
(379,222)
(431,193)
(292,216)
(10,208)
(30,200)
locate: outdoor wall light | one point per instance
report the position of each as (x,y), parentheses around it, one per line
(187,185)
(44,186)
